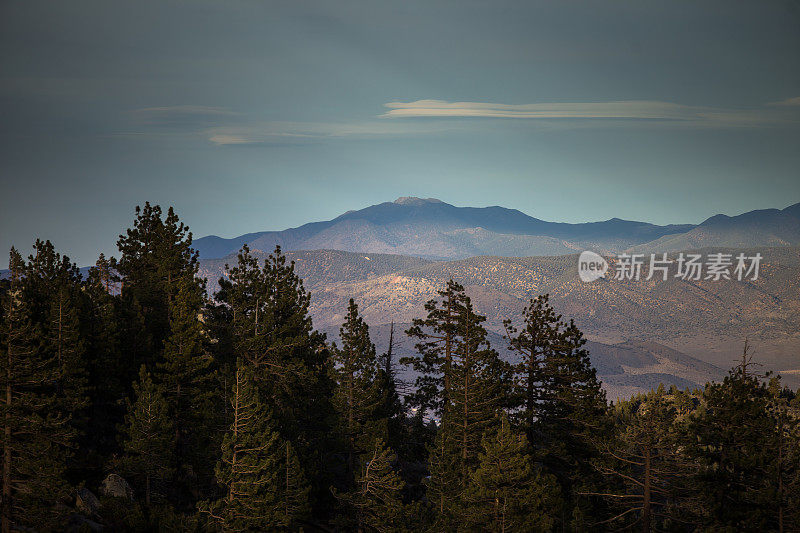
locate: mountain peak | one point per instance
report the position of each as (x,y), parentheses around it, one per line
(413,200)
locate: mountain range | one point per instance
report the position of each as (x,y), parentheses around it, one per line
(675,331)
(392,257)
(433,229)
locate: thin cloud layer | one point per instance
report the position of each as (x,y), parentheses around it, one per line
(632,109)
(644,110)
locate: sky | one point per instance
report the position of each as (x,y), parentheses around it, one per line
(250,115)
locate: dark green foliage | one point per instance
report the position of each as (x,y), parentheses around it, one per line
(643,463)
(436,335)
(186,374)
(149,439)
(734,441)
(465,381)
(357,396)
(272,332)
(156,254)
(506,492)
(107,370)
(264,485)
(376,502)
(784,471)
(36,431)
(560,403)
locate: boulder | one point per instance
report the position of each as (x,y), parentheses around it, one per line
(86,502)
(116,487)
(80,524)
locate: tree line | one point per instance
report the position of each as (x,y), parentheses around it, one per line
(230,412)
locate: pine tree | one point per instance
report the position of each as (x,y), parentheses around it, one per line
(436,335)
(264,487)
(108,373)
(377,501)
(271,331)
(357,398)
(480,384)
(643,462)
(506,492)
(784,471)
(156,254)
(733,440)
(467,383)
(149,438)
(54,285)
(532,343)
(186,374)
(391,408)
(36,433)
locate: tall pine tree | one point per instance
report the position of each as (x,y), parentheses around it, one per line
(37,435)
(187,376)
(271,331)
(264,486)
(506,491)
(149,439)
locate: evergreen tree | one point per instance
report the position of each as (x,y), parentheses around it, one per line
(377,501)
(272,332)
(149,438)
(107,371)
(391,408)
(561,404)
(357,397)
(644,463)
(186,374)
(436,335)
(574,416)
(733,440)
(784,472)
(506,492)
(532,343)
(53,284)
(36,435)
(156,254)
(264,486)
(466,381)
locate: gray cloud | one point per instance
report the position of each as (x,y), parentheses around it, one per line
(789,102)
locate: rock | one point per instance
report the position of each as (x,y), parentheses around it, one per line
(86,502)
(78,523)
(116,487)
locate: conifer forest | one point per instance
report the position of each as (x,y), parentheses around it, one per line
(134,400)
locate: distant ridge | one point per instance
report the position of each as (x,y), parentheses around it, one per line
(431,228)
(763,227)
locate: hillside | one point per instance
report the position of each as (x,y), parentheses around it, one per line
(765,227)
(672,314)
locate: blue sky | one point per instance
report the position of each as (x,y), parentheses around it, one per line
(253,115)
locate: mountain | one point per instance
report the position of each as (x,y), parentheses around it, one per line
(764,227)
(699,325)
(433,229)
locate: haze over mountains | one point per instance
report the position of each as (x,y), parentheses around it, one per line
(430,228)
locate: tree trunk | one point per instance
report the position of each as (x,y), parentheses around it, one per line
(6,525)
(646,511)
